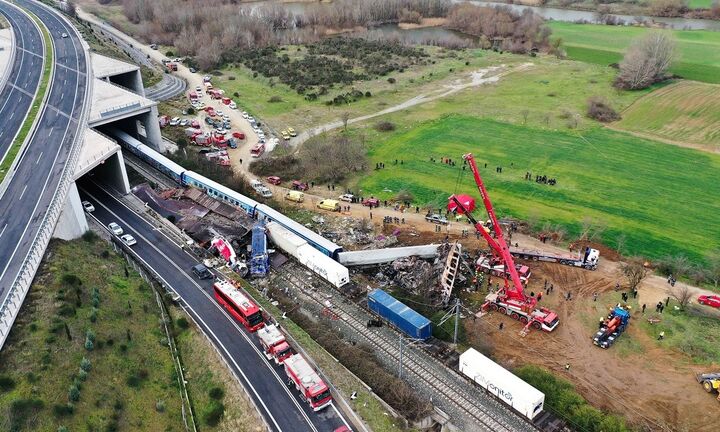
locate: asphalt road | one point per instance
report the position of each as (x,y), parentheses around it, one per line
(36,180)
(264,381)
(18,93)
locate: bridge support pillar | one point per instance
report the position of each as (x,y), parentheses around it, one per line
(72,223)
(153,136)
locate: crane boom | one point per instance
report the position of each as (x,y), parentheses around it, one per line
(499,246)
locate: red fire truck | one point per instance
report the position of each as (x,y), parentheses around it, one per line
(274,344)
(307,382)
(239,306)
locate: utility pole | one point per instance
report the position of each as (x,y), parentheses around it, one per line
(400,364)
(457,319)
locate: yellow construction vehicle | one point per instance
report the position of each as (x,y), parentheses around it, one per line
(710,382)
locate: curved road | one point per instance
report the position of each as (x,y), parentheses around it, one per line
(36,181)
(19,91)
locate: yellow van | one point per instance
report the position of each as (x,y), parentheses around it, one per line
(296,196)
(329,204)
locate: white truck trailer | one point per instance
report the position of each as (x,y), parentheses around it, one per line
(521,396)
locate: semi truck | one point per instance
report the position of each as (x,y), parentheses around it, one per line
(521,396)
(401,316)
(588,259)
(611,327)
(273,343)
(307,382)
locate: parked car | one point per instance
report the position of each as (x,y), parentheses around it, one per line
(245,114)
(274,180)
(292,132)
(285,135)
(347,197)
(64,35)
(710,300)
(198,89)
(115,228)
(202,272)
(298,185)
(437,219)
(88,206)
(128,239)
(175,121)
(192,70)
(184,122)
(329,204)
(153,46)
(371,202)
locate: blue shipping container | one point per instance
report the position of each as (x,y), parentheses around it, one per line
(404,318)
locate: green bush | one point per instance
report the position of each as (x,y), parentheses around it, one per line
(216,393)
(6,383)
(60,410)
(214,414)
(23,409)
(62,429)
(71,280)
(182,323)
(90,236)
(133,381)
(82,375)
(85,365)
(73,393)
(90,335)
(160,406)
(89,345)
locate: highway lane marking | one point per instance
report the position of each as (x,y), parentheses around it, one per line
(25,92)
(30,52)
(12,114)
(212,301)
(38,159)
(3,230)
(22,193)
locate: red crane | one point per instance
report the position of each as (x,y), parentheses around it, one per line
(510,300)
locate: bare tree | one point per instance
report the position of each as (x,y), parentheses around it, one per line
(525,114)
(646,61)
(345,118)
(634,270)
(682,294)
(713,268)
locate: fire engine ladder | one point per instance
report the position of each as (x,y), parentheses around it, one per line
(259,261)
(525,330)
(452,264)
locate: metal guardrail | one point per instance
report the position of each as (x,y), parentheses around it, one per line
(120,109)
(11,58)
(20,287)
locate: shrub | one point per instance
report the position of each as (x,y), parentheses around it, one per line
(236,94)
(74,393)
(82,375)
(62,429)
(275,99)
(214,414)
(170,53)
(89,236)
(89,335)
(191,111)
(89,345)
(6,383)
(71,279)
(391,80)
(385,126)
(85,365)
(216,393)
(160,406)
(182,323)
(599,109)
(231,78)
(133,381)
(60,410)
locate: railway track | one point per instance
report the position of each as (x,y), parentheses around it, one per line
(484,411)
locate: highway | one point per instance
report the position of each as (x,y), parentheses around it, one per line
(18,93)
(36,181)
(264,381)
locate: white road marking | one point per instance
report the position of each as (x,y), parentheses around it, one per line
(23,192)
(12,114)
(3,230)
(38,159)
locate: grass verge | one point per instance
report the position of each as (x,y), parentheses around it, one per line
(36,103)
(84,304)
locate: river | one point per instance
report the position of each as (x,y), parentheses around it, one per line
(549,13)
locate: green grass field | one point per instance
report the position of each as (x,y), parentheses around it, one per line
(685,111)
(131,370)
(663,198)
(698,51)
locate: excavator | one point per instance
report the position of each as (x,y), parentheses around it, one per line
(710,382)
(510,299)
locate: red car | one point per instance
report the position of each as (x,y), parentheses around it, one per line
(274,180)
(298,185)
(709,300)
(371,202)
